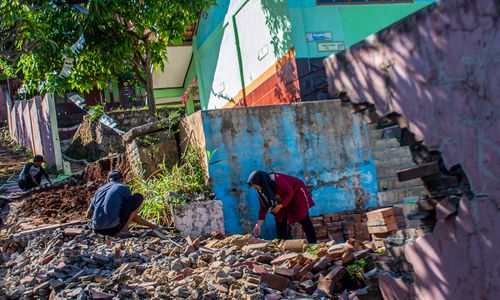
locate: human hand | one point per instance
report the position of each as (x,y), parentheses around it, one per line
(276,209)
(256,230)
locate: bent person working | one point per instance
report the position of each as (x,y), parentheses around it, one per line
(31,175)
(287,198)
(114,207)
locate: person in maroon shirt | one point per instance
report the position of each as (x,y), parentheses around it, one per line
(287,198)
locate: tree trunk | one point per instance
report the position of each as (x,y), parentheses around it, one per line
(148,69)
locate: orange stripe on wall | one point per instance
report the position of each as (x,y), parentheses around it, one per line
(270,72)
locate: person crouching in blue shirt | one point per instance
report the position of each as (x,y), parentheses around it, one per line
(114,207)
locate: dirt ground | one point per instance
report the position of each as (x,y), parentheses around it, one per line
(65,201)
(12,159)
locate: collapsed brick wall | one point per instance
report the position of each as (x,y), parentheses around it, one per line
(439,69)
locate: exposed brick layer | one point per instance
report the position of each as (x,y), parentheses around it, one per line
(439,69)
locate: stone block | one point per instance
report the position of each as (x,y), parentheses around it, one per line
(208,214)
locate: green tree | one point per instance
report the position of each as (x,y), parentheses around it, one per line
(121,36)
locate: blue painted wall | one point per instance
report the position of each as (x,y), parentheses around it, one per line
(319,142)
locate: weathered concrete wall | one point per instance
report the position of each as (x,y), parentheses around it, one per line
(191,135)
(439,69)
(30,126)
(146,153)
(198,218)
(319,142)
(94,140)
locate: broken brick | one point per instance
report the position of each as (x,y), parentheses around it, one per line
(308,286)
(27,280)
(283,258)
(418,171)
(273,281)
(96,295)
(322,263)
(220,288)
(383,229)
(336,273)
(295,245)
(306,269)
(380,213)
(381,221)
(348,258)
(57,285)
(289,273)
(257,246)
(307,276)
(48,258)
(72,232)
(326,285)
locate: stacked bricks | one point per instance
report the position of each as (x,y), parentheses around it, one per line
(383,222)
(341,226)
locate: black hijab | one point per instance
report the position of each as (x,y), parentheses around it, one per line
(268,192)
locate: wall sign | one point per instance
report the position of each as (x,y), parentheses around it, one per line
(331,46)
(319,36)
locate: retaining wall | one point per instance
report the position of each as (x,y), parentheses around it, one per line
(439,69)
(30,126)
(319,142)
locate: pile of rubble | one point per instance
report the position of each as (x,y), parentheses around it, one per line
(74,263)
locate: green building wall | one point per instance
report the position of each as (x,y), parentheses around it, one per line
(290,21)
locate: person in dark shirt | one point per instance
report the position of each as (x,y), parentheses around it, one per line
(114,207)
(32,173)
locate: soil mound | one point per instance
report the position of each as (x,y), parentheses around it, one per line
(99,170)
(59,204)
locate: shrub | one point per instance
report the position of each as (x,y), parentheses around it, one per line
(179,184)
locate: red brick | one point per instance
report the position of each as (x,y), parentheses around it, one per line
(418,171)
(307,276)
(288,273)
(326,285)
(381,221)
(100,295)
(322,263)
(220,288)
(259,269)
(382,229)
(273,281)
(336,273)
(308,286)
(306,268)
(283,258)
(48,258)
(380,213)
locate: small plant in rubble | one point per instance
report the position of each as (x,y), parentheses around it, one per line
(179,184)
(356,271)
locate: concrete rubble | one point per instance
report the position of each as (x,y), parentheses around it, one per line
(74,263)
